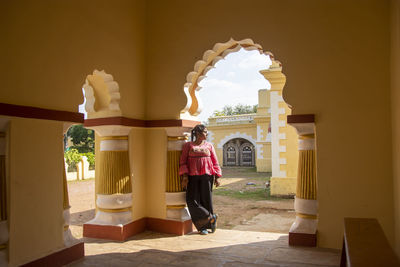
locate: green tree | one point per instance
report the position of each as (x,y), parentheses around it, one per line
(82,138)
(235,110)
(72,157)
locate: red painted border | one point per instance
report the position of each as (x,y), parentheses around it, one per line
(60,258)
(301,118)
(59,115)
(40,113)
(139,123)
(304,240)
(169,226)
(111,232)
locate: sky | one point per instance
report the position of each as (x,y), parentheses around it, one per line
(235,79)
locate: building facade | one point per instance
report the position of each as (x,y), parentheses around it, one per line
(263,140)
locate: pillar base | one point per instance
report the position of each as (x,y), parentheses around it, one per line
(178,214)
(119,232)
(175,227)
(302,239)
(60,258)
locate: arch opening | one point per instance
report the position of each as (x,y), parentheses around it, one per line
(238,152)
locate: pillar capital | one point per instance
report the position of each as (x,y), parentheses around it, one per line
(111,130)
(304,129)
(177,131)
(275,76)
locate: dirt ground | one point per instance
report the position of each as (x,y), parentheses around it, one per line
(242,211)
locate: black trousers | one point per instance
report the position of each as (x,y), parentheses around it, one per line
(199,200)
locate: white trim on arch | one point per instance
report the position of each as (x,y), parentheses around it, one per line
(236,135)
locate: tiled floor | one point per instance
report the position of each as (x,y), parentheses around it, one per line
(223,248)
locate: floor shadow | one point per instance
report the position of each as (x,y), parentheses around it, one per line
(79,218)
(200,251)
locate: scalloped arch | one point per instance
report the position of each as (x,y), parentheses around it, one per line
(201,67)
(102,95)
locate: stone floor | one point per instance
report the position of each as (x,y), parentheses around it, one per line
(223,248)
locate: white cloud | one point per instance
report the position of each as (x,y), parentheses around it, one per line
(231,74)
(255,61)
(233,80)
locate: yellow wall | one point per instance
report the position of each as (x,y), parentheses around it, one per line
(48,48)
(321,79)
(137,152)
(395,96)
(156,163)
(36,189)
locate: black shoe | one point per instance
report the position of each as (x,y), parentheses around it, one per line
(214,224)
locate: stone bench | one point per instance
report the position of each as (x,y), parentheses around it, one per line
(365,244)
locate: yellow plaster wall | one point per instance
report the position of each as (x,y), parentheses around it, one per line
(395,105)
(48,48)
(283,186)
(137,157)
(156,162)
(36,189)
(352,156)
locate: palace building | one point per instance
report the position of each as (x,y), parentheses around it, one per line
(263,140)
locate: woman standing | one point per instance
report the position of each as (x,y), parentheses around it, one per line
(200,169)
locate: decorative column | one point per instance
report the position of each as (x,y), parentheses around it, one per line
(4,234)
(175,196)
(304,230)
(113,185)
(113,218)
(283,138)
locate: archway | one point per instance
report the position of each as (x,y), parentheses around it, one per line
(260,138)
(239,152)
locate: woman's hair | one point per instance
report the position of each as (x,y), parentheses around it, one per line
(197,130)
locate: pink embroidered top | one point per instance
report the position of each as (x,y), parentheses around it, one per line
(199,159)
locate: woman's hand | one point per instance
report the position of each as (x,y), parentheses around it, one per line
(185,181)
(216,181)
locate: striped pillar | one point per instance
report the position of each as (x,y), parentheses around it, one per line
(304,229)
(113,177)
(175,195)
(3,202)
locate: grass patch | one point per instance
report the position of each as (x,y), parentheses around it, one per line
(256,194)
(249,192)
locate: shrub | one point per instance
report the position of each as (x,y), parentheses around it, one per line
(72,157)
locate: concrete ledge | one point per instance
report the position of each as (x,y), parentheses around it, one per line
(301,239)
(60,258)
(169,226)
(114,232)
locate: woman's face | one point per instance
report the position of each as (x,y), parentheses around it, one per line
(202,135)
